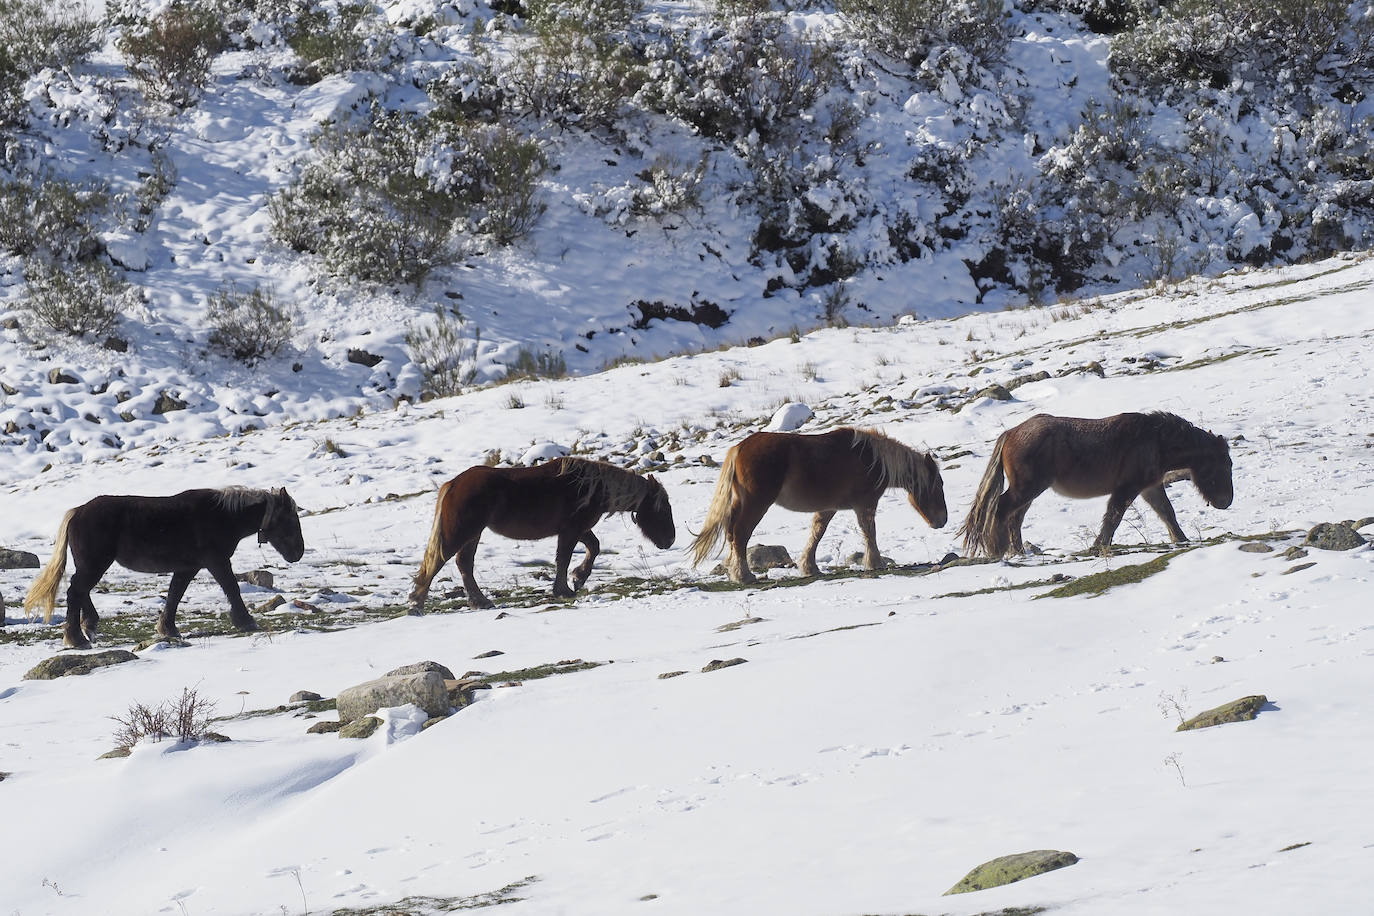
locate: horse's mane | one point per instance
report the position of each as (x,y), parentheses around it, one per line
(235,498)
(1176,430)
(898,465)
(620,490)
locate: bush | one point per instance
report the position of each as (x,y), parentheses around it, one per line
(1105,16)
(328,44)
(444,355)
(508,183)
(186,718)
(669,186)
(529,364)
(909,30)
(170,54)
(248,325)
(48,215)
(38,33)
(77,299)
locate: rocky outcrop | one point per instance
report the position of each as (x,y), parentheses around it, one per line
(18,559)
(1242,710)
(78,663)
(1008,869)
(425,689)
(1334,536)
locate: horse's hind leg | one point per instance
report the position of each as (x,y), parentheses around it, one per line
(238,611)
(584,569)
(745,515)
(467,555)
(1116,508)
(82,619)
(819,523)
(567,540)
(868,526)
(167,621)
(1158,500)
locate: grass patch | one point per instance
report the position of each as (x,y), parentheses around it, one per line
(568,666)
(1095,584)
(424,906)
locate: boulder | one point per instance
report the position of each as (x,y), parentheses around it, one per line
(1256,547)
(77,663)
(1334,536)
(18,559)
(425,689)
(262,578)
(716,664)
(329,726)
(360,728)
(1242,710)
(460,692)
(304,696)
(763,557)
(362,357)
(166,403)
(996,392)
(1007,869)
(59,377)
(420,668)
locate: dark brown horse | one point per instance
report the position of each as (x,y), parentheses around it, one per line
(564,497)
(1120,457)
(822,473)
(181,534)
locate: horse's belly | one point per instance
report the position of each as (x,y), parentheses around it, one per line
(797,499)
(1077,491)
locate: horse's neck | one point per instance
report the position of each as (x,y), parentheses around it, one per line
(1183,452)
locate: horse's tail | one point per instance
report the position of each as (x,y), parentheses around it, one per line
(980,528)
(436,554)
(713,528)
(43,592)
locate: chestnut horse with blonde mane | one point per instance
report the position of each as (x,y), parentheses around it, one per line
(564,497)
(823,473)
(1120,457)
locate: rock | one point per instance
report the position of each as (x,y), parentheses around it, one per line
(18,559)
(166,403)
(460,692)
(763,557)
(271,604)
(1334,536)
(116,344)
(420,668)
(996,392)
(736,624)
(1007,869)
(425,689)
(214,738)
(327,727)
(1367,520)
(304,696)
(262,578)
(490,653)
(1242,710)
(78,663)
(788,417)
(667,674)
(116,754)
(362,357)
(1256,547)
(1293,553)
(435,720)
(716,664)
(57,377)
(360,728)
(1297,567)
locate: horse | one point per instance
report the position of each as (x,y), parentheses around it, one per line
(823,473)
(1120,457)
(565,497)
(181,534)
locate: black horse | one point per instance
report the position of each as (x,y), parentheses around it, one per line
(181,534)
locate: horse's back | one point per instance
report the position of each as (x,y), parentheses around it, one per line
(806,472)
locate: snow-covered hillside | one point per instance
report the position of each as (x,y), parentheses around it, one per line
(885,734)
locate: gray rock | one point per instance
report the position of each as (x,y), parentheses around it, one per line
(362,357)
(716,664)
(996,392)
(1242,710)
(1293,553)
(1256,547)
(77,663)
(58,377)
(18,559)
(271,604)
(304,696)
(166,403)
(116,754)
(1007,869)
(1334,536)
(262,578)
(328,727)
(667,674)
(1367,520)
(763,557)
(1297,567)
(420,668)
(461,692)
(361,728)
(116,344)
(425,689)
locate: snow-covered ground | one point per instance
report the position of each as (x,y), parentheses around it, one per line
(885,735)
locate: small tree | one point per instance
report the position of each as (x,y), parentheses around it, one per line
(443,353)
(170,55)
(77,299)
(248,325)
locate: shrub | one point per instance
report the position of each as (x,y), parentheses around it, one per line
(443,354)
(327,44)
(49,215)
(170,54)
(508,183)
(186,718)
(909,30)
(1106,16)
(77,299)
(38,33)
(544,364)
(248,325)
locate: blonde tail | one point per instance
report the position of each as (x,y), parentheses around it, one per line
(434,558)
(981,537)
(705,543)
(43,592)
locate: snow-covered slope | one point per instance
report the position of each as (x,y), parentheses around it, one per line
(886,733)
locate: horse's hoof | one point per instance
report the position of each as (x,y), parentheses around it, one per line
(481,604)
(246,626)
(71,643)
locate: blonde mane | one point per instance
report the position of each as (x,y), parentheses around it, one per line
(897,465)
(621,490)
(235,498)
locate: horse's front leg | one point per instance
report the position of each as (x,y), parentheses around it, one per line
(238,611)
(1158,500)
(1116,508)
(567,540)
(467,555)
(821,520)
(167,621)
(584,569)
(868,527)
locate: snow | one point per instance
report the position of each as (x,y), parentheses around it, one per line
(885,735)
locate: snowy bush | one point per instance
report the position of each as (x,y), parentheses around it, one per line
(77,299)
(909,30)
(1106,16)
(349,38)
(443,353)
(186,718)
(669,186)
(43,214)
(248,325)
(543,364)
(38,33)
(170,54)
(508,167)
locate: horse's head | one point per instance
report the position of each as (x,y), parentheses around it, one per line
(928,498)
(281,526)
(654,515)
(1212,473)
